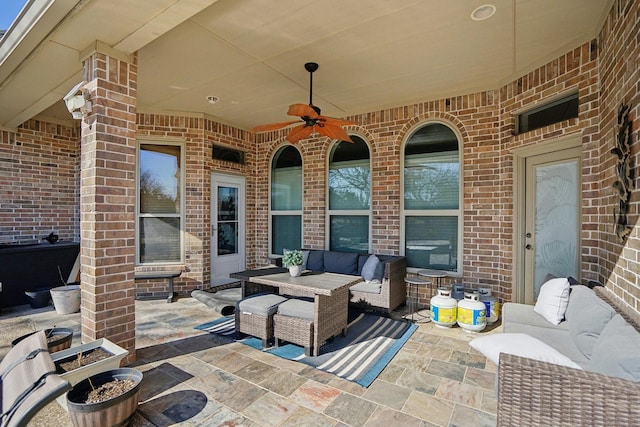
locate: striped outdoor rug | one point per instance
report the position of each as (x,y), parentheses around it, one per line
(370,344)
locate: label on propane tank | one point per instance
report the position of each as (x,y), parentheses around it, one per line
(471,317)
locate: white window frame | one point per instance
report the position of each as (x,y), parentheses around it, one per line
(459,213)
(181,215)
(358,212)
(273,213)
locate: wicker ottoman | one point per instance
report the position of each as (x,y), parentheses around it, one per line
(254,316)
(294,323)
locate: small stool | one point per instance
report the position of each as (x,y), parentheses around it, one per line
(435,276)
(294,323)
(254,316)
(413,283)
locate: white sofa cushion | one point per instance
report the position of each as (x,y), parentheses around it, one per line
(616,351)
(587,315)
(522,345)
(553,299)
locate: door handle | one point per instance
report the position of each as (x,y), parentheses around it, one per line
(528,247)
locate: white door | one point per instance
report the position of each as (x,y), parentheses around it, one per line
(227,226)
(552,218)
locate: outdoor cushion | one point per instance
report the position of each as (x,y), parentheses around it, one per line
(616,351)
(341,262)
(369,287)
(369,268)
(261,305)
(553,299)
(297,308)
(315,261)
(522,345)
(587,315)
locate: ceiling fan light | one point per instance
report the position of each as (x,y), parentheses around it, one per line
(483,12)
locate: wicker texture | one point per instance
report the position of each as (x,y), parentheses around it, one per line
(393,291)
(535,393)
(254,325)
(331,300)
(295,330)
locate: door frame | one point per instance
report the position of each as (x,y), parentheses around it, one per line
(233,180)
(520,156)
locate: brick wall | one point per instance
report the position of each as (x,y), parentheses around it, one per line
(39,183)
(198,135)
(618,262)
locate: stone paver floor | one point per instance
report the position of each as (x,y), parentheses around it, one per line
(193,378)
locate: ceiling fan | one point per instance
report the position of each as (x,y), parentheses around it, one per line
(310,115)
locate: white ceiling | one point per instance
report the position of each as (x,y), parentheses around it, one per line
(251,53)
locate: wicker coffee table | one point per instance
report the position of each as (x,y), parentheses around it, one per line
(330,292)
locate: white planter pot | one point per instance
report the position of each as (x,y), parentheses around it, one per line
(76,375)
(295,270)
(66,299)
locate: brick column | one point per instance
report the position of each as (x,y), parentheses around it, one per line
(107,200)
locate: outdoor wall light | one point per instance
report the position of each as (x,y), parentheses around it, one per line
(77,101)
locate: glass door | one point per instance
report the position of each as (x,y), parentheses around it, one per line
(227,226)
(552,218)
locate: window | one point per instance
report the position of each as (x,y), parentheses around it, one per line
(431,215)
(552,112)
(349,196)
(160,203)
(286,200)
(220,152)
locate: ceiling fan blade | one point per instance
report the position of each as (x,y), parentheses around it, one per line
(333,132)
(302,110)
(299,132)
(273,126)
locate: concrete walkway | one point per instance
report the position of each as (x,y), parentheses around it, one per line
(198,379)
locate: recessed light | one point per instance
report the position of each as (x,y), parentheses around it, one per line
(212,99)
(483,12)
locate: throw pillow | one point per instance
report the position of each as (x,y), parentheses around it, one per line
(616,351)
(553,299)
(369,268)
(587,315)
(522,345)
(305,258)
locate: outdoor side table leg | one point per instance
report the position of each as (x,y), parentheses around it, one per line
(170,297)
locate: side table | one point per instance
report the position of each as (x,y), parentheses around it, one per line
(413,283)
(435,275)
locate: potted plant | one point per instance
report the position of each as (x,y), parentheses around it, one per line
(109,398)
(58,339)
(294,260)
(66,298)
(77,363)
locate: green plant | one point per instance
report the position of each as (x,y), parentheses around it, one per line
(293,257)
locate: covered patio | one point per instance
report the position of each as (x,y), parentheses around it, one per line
(153,167)
(196,378)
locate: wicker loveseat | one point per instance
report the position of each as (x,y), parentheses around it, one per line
(386,295)
(537,393)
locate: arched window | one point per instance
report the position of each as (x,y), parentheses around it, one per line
(286,200)
(349,196)
(431,214)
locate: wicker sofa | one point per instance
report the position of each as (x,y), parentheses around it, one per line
(534,392)
(389,293)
